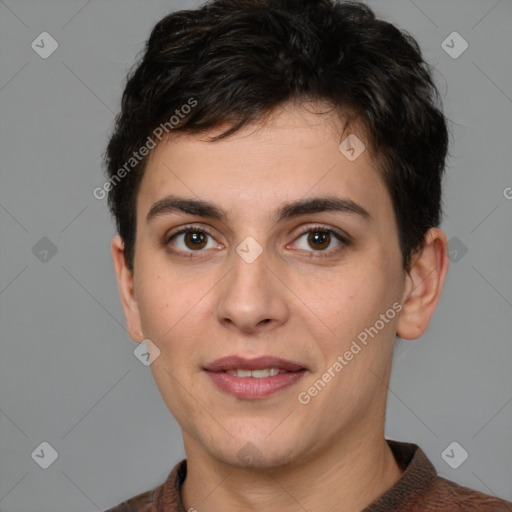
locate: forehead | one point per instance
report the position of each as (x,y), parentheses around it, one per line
(294,154)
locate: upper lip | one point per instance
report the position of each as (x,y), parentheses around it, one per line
(258,363)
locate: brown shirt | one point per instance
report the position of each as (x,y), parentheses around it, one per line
(419,489)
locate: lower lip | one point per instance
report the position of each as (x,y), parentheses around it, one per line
(252,387)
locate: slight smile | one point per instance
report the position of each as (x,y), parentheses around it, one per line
(253,378)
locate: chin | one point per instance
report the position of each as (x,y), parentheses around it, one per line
(258,453)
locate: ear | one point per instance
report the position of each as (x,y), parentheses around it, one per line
(126,290)
(424,284)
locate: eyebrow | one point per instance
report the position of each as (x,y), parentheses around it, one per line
(201,208)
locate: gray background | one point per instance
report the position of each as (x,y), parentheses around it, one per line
(68,375)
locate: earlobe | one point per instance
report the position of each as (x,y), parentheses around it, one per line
(424,284)
(126,289)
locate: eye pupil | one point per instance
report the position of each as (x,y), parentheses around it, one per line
(321,238)
(196,239)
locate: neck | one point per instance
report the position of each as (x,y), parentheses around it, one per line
(354,471)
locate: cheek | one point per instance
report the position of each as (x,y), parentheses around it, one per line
(156,305)
(165,301)
(351,305)
(350,298)
(174,313)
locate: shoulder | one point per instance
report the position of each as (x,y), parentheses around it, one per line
(140,503)
(167,494)
(449,496)
(421,489)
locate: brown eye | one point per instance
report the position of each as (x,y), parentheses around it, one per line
(195,240)
(319,239)
(190,240)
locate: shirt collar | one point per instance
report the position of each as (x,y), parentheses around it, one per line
(418,475)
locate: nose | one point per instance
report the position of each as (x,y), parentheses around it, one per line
(252,298)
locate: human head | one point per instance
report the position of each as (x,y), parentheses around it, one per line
(262,129)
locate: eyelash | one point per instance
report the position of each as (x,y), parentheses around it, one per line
(345,242)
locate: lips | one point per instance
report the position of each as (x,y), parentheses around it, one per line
(253,378)
(259,363)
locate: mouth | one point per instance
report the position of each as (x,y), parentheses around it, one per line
(257,374)
(253,378)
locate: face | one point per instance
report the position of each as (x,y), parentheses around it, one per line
(268,278)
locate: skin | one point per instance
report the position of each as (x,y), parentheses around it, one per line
(289,303)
